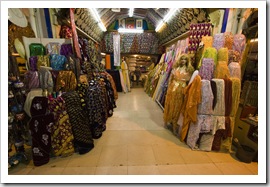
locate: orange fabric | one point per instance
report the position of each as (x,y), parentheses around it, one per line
(192,94)
(108,62)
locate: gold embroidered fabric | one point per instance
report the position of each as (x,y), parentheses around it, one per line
(66,81)
(84,79)
(43,60)
(223,54)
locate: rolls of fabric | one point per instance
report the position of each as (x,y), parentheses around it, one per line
(228,40)
(219,98)
(205,107)
(236,89)
(239,42)
(235,70)
(223,54)
(219,40)
(210,52)
(234,56)
(206,71)
(222,70)
(207,41)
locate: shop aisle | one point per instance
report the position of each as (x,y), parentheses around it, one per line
(136,143)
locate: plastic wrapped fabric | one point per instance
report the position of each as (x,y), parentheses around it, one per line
(235,70)
(223,54)
(37,49)
(45,79)
(43,60)
(53,48)
(207,41)
(234,56)
(210,52)
(58,61)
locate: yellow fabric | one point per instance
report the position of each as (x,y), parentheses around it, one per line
(207,41)
(125,74)
(209,52)
(236,89)
(192,97)
(66,81)
(222,70)
(223,54)
(228,40)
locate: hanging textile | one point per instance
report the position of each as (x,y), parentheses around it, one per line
(228,96)
(66,81)
(74,33)
(110,78)
(61,135)
(219,40)
(79,121)
(203,125)
(217,86)
(125,72)
(222,70)
(192,97)
(206,71)
(223,54)
(235,70)
(236,89)
(124,86)
(222,134)
(205,107)
(116,49)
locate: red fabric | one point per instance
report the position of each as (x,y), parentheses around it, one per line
(74,34)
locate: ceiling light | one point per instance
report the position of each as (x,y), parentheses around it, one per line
(131,10)
(254,40)
(130,30)
(97,18)
(166,18)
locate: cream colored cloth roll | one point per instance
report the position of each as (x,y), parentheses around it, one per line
(236,89)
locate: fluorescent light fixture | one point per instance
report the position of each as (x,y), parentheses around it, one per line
(103,54)
(97,18)
(130,30)
(166,18)
(131,10)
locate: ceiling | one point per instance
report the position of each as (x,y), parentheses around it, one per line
(152,15)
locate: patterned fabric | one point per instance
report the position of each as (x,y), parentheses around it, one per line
(207,41)
(45,79)
(206,142)
(66,81)
(192,97)
(39,106)
(205,107)
(236,89)
(222,70)
(210,52)
(61,135)
(228,96)
(66,50)
(203,125)
(40,128)
(235,70)
(125,72)
(234,56)
(96,108)
(110,78)
(33,63)
(79,122)
(43,60)
(223,54)
(206,71)
(31,80)
(219,107)
(30,96)
(228,40)
(239,42)
(219,40)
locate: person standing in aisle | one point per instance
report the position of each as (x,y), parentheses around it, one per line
(137,73)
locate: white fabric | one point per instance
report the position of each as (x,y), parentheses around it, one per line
(195,73)
(116,49)
(30,96)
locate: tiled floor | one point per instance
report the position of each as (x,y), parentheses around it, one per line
(136,143)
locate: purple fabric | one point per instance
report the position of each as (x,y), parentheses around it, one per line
(239,41)
(66,50)
(235,70)
(206,71)
(219,41)
(31,80)
(205,107)
(33,63)
(40,127)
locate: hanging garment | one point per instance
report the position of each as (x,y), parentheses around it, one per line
(235,70)
(110,78)
(236,89)
(40,127)
(125,72)
(217,86)
(116,49)
(192,97)
(202,125)
(206,106)
(219,40)
(61,134)
(116,77)
(79,121)
(228,40)
(221,70)
(206,71)
(222,134)
(124,87)
(228,96)
(174,97)
(223,54)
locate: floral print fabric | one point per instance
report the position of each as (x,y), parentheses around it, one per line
(206,71)
(205,107)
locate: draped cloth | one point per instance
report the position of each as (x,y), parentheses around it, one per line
(192,97)
(206,71)
(222,134)
(235,70)
(62,136)
(219,98)
(205,107)
(228,96)
(222,70)
(110,78)
(210,52)
(236,89)
(125,72)
(124,86)
(116,49)
(223,54)
(79,122)
(219,40)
